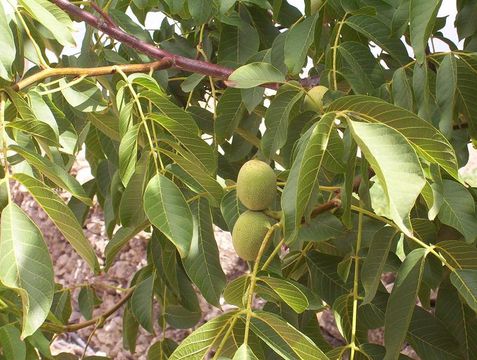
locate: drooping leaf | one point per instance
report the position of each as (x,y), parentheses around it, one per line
(7,43)
(85,96)
(231,208)
(430,339)
(244,352)
(255,74)
(458,209)
(277,119)
(200,342)
(54,172)
(299,194)
(161,350)
(458,254)
(375,260)
(283,338)
(202,263)
(427,140)
(38,129)
(387,150)
(422,18)
(141,303)
(167,209)
(25,266)
(446,88)
(288,292)
(62,217)
(128,154)
(130,329)
(402,301)
(13,348)
(297,43)
(465,281)
(53,18)
(230,111)
(237,44)
(235,291)
(402,90)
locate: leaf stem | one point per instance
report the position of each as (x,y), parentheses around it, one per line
(356,286)
(4,144)
(253,279)
(335,48)
(273,254)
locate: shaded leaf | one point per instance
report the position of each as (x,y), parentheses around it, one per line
(422,17)
(167,209)
(141,303)
(288,292)
(25,266)
(255,74)
(465,281)
(62,217)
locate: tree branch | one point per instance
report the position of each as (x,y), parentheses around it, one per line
(96,71)
(106,25)
(180,62)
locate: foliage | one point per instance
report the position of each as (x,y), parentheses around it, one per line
(368,178)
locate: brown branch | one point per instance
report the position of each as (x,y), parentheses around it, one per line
(96,320)
(180,62)
(96,71)
(106,25)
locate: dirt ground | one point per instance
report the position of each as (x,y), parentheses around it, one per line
(71,271)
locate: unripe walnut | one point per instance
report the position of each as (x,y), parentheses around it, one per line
(256,185)
(248,233)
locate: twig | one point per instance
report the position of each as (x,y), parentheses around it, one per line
(96,71)
(103,14)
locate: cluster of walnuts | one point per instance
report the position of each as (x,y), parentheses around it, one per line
(256,190)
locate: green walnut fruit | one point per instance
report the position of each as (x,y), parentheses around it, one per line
(248,233)
(256,185)
(314,98)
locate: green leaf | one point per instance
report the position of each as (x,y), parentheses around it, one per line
(255,74)
(300,192)
(198,344)
(53,18)
(288,292)
(427,140)
(167,209)
(343,312)
(128,154)
(298,41)
(465,281)
(202,263)
(283,338)
(200,10)
(375,30)
(235,291)
(7,44)
(422,17)
(62,217)
(321,228)
(458,318)
(185,133)
(244,352)
(237,44)
(87,301)
(402,301)
(375,260)
(209,187)
(359,67)
(231,208)
(25,266)
(325,280)
(130,329)
(466,78)
(230,112)
(458,254)
(85,96)
(55,173)
(402,90)
(161,350)
(388,152)
(181,318)
(430,339)
(38,129)
(277,119)
(13,348)
(141,303)
(458,209)
(119,240)
(446,89)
